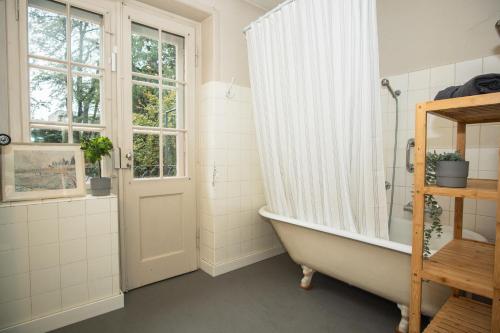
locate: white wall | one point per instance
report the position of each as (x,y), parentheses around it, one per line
(482,141)
(421,34)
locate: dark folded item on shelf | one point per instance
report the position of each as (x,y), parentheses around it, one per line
(481,84)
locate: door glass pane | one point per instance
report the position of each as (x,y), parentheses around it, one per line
(172,48)
(86,99)
(169,156)
(48,94)
(169,104)
(85,37)
(146,155)
(47,29)
(145,105)
(144,49)
(45,135)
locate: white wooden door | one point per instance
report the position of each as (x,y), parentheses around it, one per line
(159,199)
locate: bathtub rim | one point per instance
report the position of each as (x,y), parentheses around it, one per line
(388,244)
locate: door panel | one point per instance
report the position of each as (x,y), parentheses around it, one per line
(159,201)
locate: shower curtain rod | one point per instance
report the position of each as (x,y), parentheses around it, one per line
(272,11)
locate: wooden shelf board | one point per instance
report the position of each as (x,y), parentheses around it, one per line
(469,110)
(460,315)
(463,264)
(476,189)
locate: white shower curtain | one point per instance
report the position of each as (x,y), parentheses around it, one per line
(314,79)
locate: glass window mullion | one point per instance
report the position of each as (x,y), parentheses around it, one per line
(160,96)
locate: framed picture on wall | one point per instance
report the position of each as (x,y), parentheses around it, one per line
(41,171)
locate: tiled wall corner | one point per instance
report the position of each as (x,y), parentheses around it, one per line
(230,190)
(482,140)
(56,255)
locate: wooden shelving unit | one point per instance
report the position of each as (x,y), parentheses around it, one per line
(461,264)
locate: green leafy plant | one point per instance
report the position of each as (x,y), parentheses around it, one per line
(95,149)
(431,204)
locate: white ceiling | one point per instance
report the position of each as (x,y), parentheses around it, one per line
(265,4)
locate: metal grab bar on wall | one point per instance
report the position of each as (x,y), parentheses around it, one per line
(409,145)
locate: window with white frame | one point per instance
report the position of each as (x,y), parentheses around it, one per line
(65,73)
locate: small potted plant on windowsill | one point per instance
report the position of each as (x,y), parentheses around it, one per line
(94,150)
(451,170)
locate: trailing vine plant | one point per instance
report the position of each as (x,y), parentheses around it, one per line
(430,202)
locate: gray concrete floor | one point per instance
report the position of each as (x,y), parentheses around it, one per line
(264,297)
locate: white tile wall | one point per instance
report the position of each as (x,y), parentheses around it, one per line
(230,226)
(482,140)
(56,255)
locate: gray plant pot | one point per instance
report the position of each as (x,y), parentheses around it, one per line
(100,186)
(452,173)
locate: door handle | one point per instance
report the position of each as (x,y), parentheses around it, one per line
(409,145)
(128,156)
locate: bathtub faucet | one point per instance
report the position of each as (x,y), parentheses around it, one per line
(409,208)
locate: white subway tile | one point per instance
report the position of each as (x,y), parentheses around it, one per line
(13,236)
(43,232)
(71,208)
(14,262)
(74,296)
(115,265)
(115,243)
(45,280)
(15,312)
(73,274)
(486,208)
(490,135)
(114,221)
(116,284)
(97,205)
(99,268)
(491,64)
(45,304)
(466,70)
(44,256)
(98,246)
(419,80)
(13,214)
(14,287)
(443,76)
(98,224)
(113,204)
(488,159)
(73,250)
(72,227)
(46,211)
(100,288)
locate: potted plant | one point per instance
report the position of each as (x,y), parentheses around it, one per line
(94,150)
(450,169)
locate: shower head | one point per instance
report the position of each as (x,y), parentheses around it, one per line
(387,84)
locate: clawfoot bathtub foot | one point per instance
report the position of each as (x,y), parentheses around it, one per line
(305,283)
(403,324)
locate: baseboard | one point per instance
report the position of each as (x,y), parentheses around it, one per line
(252,258)
(67,317)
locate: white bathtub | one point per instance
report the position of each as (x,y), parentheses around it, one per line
(379,266)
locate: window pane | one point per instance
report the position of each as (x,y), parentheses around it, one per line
(173,107)
(169,156)
(45,63)
(47,28)
(144,49)
(172,48)
(91,169)
(48,94)
(146,155)
(86,100)
(145,105)
(85,37)
(45,135)
(169,108)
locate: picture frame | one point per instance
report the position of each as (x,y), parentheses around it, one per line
(31,171)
